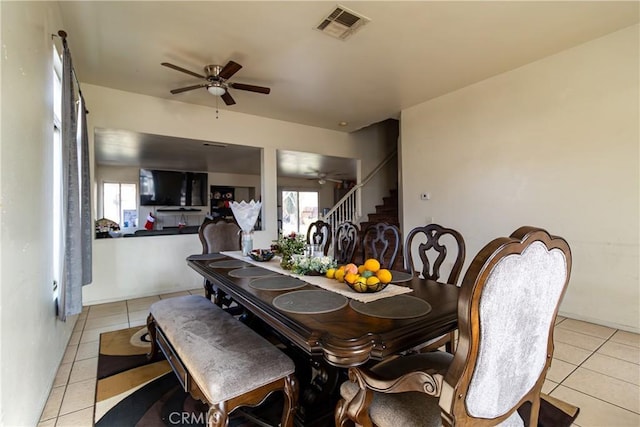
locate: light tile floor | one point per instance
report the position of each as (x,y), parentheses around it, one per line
(594,367)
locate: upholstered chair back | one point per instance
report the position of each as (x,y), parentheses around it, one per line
(509,299)
(219,235)
(433,250)
(319,233)
(345,242)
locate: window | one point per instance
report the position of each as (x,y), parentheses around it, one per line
(299,209)
(56,179)
(119,202)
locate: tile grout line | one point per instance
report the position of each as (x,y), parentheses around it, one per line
(609,376)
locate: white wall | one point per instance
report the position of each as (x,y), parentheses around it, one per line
(552,144)
(128,111)
(33,340)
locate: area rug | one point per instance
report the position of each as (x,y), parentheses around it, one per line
(131,391)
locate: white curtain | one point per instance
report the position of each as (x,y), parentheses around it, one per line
(76,202)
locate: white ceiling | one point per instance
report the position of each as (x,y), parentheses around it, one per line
(410,51)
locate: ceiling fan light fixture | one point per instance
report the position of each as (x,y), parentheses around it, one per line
(322,181)
(216,90)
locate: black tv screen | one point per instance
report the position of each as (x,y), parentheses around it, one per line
(172,188)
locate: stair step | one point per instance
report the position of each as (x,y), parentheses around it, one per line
(382,209)
(390,201)
(388,218)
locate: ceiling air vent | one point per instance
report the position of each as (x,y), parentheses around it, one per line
(342,23)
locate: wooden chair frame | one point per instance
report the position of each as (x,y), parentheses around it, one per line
(376,244)
(346,242)
(451,385)
(319,233)
(434,233)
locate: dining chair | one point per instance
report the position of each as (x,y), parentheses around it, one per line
(345,242)
(217,235)
(381,241)
(319,233)
(507,306)
(436,249)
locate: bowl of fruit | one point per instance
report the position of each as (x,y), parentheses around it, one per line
(261,255)
(368,277)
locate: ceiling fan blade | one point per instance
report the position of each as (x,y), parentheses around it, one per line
(333,180)
(228,99)
(184,89)
(183,70)
(229,70)
(250,88)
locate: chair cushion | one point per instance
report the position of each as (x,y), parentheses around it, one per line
(410,408)
(398,409)
(225,358)
(403,409)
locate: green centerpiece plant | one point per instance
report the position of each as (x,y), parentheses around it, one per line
(288,246)
(312,266)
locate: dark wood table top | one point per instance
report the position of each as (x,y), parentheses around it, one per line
(344,337)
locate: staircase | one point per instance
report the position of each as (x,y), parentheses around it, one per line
(348,209)
(386,212)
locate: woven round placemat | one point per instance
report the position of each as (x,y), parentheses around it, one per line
(397,307)
(277,283)
(229,263)
(310,302)
(205,257)
(400,276)
(249,272)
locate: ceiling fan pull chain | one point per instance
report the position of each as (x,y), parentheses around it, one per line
(216,108)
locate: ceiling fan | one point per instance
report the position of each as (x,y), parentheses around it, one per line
(216,83)
(323,177)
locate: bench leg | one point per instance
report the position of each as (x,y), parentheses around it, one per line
(218,415)
(151,327)
(291,389)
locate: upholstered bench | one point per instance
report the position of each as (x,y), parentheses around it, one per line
(218,359)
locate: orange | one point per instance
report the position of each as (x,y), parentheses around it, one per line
(384,275)
(331,273)
(361,269)
(339,275)
(372,265)
(350,277)
(351,268)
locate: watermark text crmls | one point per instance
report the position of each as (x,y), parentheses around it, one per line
(188,418)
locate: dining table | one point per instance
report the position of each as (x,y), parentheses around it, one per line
(328,326)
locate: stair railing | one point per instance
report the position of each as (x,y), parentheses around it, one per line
(349,207)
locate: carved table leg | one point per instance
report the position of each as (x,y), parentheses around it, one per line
(291,390)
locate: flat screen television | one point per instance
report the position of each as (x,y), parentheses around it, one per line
(172,188)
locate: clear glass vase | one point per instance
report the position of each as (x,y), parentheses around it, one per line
(247,242)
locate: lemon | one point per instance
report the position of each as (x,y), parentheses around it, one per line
(372,265)
(339,275)
(330,273)
(373,281)
(384,275)
(360,285)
